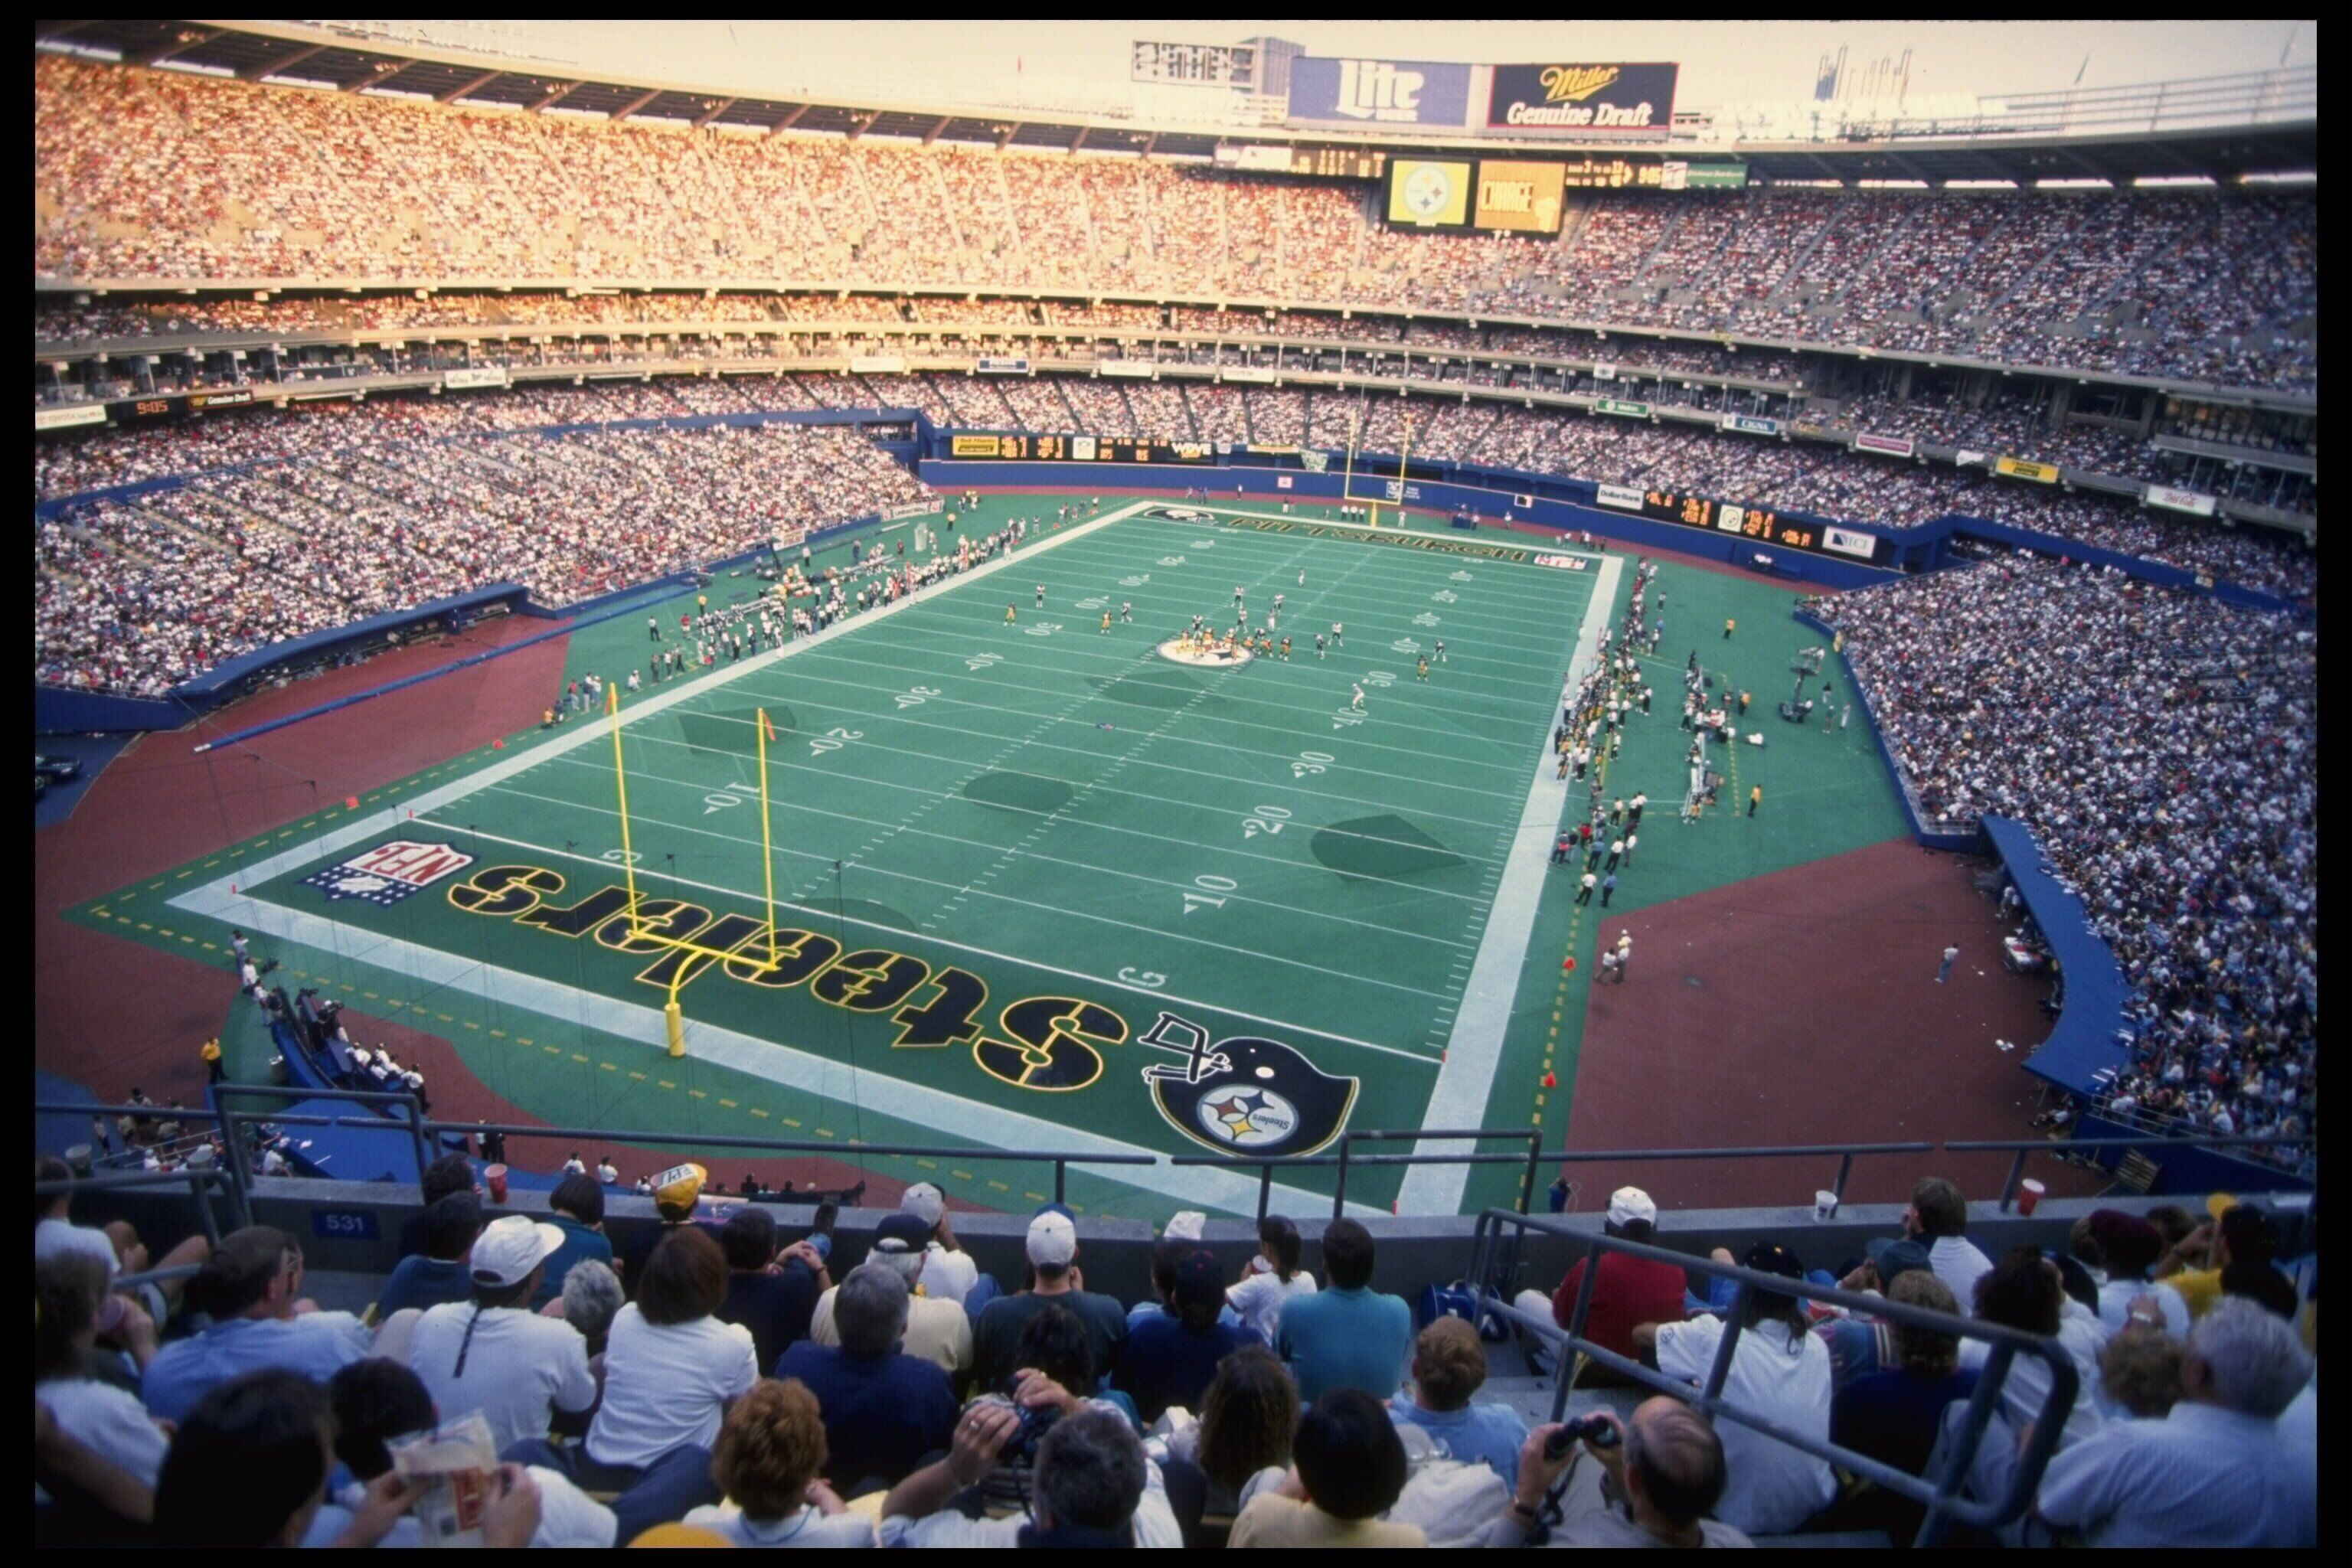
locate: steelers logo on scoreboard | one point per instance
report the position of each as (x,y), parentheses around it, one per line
(1428,192)
(1247,1094)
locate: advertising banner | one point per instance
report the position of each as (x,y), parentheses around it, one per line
(2170,500)
(1673,174)
(1624,497)
(992,365)
(236,399)
(1352,94)
(974,445)
(1751,424)
(2019,468)
(1847,541)
(879,364)
(1273,448)
(1619,407)
(915,509)
(1133,369)
(476,375)
(65,418)
(1282,481)
(1248,373)
(1893,446)
(1630,102)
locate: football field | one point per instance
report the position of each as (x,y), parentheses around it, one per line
(1034,884)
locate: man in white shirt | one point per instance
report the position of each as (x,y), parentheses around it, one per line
(2220,1470)
(493,1354)
(1938,1216)
(950,1274)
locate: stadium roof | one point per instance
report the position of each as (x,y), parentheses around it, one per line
(297,53)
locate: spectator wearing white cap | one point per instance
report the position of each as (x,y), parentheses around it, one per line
(1053,1249)
(950,1273)
(1626,1290)
(937,1332)
(493,1353)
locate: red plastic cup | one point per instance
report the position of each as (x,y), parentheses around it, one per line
(2029,1193)
(495,1176)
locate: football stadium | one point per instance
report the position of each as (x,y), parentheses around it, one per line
(793,779)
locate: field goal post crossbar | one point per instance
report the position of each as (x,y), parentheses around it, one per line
(673,1011)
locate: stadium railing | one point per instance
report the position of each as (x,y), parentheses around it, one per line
(2024,1148)
(200,1185)
(1939,1493)
(1534,1159)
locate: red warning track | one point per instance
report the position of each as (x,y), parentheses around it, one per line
(1802,1008)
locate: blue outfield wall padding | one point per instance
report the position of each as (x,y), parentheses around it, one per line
(57,710)
(2190,1171)
(214,686)
(2091,1040)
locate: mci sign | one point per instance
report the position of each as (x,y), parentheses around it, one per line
(1359,93)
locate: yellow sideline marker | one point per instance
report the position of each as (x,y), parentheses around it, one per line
(673,1012)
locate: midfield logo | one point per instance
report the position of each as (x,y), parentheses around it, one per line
(1249,1094)
(389,873)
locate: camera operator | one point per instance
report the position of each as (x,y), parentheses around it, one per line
(1651,1480)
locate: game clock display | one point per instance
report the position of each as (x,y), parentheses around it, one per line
(1753,522)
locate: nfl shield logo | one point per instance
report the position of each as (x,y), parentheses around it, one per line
(388,873)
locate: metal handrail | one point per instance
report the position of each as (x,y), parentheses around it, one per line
(1939,1494)
(1845,1152)
(1349,1139)
(1061,1161)
(197,1181)
(2024,1147)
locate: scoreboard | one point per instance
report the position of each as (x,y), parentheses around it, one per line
(1759,524)
(1079,449)
(1322,162)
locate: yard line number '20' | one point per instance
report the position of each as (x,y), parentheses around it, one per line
(834,740)
(1263,819)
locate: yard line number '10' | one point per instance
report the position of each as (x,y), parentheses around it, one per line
(1211,894)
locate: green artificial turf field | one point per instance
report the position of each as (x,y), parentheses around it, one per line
(1037,885)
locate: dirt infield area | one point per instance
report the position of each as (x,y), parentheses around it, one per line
(1801,1007)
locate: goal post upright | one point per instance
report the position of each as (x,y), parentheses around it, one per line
(621,787)
(767,843)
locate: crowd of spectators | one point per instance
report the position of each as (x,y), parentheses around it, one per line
(2164,748)
(715,1383)
(358,510)
(147,175)
(330,520)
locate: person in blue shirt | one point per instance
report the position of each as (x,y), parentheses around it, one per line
(252,1287)
(1449,1365)
(1346,1335)
(576,1208)
(1166,1254)
(438,1273)
(884,1410)
(1170,1357)
(1894,1415)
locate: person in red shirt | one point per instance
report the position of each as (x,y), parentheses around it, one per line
(1629,1290)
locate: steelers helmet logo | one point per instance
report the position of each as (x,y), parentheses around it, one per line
(1246,1118)
(1250,1094)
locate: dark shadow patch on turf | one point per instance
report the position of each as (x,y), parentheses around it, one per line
(733,730)
(1165,689)
(1025,792)
(1381,847)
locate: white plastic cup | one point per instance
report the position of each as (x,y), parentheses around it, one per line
(1825,1205)
(2028,1194)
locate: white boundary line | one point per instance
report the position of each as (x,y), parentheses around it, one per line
(1475,1046)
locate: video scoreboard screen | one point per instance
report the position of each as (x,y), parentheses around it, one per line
(1518,196)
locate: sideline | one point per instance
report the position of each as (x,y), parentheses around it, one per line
(1474,1048)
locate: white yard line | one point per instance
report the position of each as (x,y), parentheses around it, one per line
(1474,1048)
